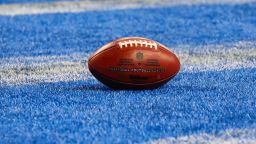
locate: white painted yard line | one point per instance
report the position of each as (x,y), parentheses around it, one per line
(19,70)
(42,60)
(44,69)
(218,57)
(81,6)
(230,136)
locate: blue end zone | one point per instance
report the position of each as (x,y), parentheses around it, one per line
(88,111)
(52,34)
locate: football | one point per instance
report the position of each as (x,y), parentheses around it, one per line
(133,63)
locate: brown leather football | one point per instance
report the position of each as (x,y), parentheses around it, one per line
(133,63)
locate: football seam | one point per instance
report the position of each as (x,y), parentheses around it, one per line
(115,45)
(94,55)
(158,44)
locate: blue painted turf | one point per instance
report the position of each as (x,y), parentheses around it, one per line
(52,34)
(87,111)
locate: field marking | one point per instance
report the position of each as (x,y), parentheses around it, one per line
(25,70)
(22,70)
(230,136)
(217,57)
(81,6)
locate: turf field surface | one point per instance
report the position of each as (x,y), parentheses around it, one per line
(47,94)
